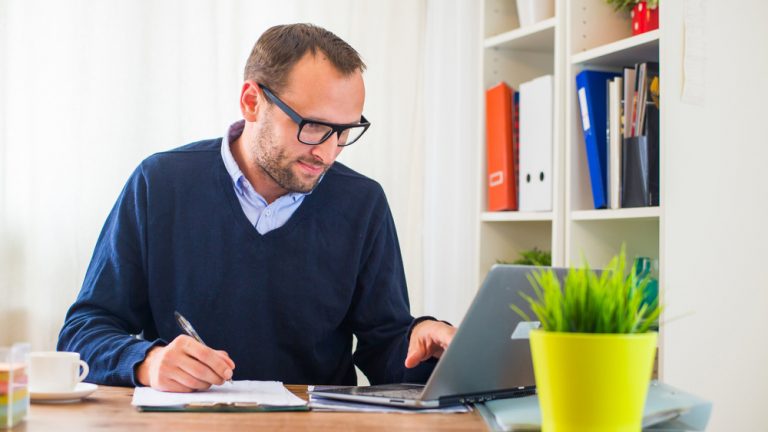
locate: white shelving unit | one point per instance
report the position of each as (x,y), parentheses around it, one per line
(515,55)
(515,216)
(582,34)
(600,38)
(643,47)
(536,37)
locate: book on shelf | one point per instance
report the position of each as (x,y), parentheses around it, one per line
(640,148)
(629,88)
(516,145)
(501,148)
(615,88)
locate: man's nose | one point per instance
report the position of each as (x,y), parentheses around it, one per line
(326,151)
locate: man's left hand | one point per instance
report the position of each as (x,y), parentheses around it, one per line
(428,339)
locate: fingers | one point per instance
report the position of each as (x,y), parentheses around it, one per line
(185,382)
(225,356)
(416,353)
(185,365)
(167,375)
(196,374)
(217,362)
(428,339)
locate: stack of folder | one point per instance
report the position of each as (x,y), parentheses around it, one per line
(14,397)
(619,113)
(519,145)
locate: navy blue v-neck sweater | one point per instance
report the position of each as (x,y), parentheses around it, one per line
(284,305)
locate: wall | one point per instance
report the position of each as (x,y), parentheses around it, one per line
(716,208)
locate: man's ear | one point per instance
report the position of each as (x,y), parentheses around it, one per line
(250,101)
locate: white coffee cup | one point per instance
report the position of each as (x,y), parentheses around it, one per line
(55,371)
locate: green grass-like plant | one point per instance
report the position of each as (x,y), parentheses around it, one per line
(588,303)
(533,257)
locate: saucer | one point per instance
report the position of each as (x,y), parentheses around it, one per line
(81,390)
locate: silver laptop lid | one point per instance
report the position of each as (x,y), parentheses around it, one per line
(490,351)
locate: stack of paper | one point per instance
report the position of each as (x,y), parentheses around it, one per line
(245,395)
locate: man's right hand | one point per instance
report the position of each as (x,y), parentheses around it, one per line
(185,365)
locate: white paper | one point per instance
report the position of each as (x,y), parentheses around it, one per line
(271,393)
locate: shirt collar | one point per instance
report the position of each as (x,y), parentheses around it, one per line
(235,173)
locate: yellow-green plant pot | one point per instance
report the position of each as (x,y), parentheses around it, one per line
(592,382)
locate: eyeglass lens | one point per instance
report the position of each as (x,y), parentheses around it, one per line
(315,133)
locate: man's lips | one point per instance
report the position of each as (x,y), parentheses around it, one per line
(311,168)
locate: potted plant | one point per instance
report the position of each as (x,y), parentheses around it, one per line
(645,13)
(593,355)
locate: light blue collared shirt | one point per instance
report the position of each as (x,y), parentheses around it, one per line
(264,217)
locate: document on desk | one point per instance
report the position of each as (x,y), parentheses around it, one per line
(234,396)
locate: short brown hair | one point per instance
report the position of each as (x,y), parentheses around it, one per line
(282,46)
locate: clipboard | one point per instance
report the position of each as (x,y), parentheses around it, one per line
(237,396)
(231,407)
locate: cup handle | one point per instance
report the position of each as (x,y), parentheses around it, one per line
(84,374)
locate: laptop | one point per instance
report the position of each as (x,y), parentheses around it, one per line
(488,358)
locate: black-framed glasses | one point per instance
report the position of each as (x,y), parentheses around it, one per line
(314,132)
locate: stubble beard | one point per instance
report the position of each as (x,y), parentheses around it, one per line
(271,159)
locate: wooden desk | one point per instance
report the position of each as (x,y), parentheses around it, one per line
(109,409)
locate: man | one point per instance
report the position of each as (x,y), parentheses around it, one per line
(276,254)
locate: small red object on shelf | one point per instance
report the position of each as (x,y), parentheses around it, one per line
(644,19)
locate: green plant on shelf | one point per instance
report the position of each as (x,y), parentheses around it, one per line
(534,257)
(627,5)
(610,302)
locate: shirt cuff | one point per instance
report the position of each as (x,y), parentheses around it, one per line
(133,355)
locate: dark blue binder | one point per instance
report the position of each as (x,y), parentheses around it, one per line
(591,88)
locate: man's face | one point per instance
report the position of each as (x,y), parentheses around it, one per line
(315,90)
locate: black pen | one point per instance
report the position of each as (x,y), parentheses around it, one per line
(187,328)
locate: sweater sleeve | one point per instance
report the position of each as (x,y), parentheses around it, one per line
(380,314)
(106,322)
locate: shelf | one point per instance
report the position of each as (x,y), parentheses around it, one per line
(614,214)
(626,52)
(536,37)
(515,216)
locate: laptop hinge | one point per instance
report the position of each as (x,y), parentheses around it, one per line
(486,396)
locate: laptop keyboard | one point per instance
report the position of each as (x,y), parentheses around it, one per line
(413,393)
(395,391)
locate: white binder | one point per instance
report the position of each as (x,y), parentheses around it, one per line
(536,136)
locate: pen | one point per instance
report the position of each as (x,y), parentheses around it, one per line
(187,328)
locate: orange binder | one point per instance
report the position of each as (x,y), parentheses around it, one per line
(502,176)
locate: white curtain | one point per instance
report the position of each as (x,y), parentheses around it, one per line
(89,88)
(452,179)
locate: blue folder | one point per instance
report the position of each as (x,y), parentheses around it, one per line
(591,88)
